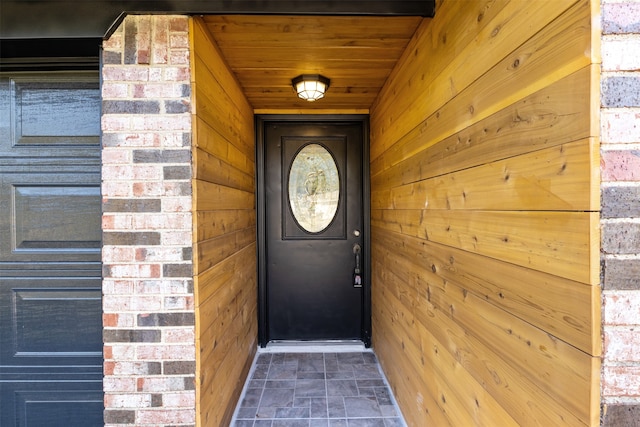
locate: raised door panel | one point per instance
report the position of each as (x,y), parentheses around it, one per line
(50,272)
(49,216)
(49,115)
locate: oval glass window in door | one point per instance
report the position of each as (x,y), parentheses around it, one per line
(314,188)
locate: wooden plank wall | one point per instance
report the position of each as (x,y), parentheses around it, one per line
(225,232)
(485,241)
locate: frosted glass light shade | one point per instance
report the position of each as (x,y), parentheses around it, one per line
(310,87)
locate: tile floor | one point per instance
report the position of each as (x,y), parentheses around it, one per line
(343,389)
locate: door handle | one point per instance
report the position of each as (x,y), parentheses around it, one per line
(357,272)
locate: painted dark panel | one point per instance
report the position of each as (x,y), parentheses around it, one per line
(55,112)
(40,113)
(56,218)
(52,321)
(52,404)
(80,19)
(59,221)
(74,328)
(50,272)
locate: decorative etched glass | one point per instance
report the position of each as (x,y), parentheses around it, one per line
(314,188)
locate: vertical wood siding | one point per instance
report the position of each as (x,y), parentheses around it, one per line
(485,241)
(224,232)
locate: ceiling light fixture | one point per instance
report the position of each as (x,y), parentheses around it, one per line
(310,86)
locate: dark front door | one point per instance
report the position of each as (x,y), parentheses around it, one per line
(50,238)
(314,255)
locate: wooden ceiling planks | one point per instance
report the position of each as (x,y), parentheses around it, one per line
(265,52)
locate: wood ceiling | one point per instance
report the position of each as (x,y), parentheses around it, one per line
(267,51)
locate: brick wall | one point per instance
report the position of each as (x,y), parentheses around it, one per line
(620,167)
(148,301)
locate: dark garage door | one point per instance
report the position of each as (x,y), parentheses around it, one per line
(50,286)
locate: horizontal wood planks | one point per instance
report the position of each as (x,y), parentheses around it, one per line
(356,53)
(485,239)
(225,231)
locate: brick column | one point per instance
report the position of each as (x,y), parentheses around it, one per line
(620,167)
(148,302)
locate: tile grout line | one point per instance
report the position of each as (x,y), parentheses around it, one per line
(324,350)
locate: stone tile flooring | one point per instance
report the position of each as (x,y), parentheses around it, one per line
(317,390)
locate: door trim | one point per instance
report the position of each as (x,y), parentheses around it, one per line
(263,120)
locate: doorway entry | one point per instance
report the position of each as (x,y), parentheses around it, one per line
(313,223)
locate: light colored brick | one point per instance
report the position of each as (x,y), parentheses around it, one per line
(146,172)
(113,43)
(166,352)
(125,73)
(131,368)
(118,222)
(139,271)
(179,40)
(171,417)
(158,90)
(177,74)
(179,400)
(180,335)
(155,74)
(620,165)
(146,303)
(160,39)
(621,53)
(161,123)
(159,254)
(123,351)
(179,57)
(160,384)
(176,238)
(115,90)
(119,384)
(621,308)
(141,189)
(164,221)
(132,400)
(151,189)
(135,139)
(132,172)
(176,204)
(621,381)
(116,254)
(621,344)
(115,304)
(117,287)
(116,189)
(119,320)
(116,172)
(178,303)
(113,157)
(115,123)
(620,125)
(171,139)
(163,287)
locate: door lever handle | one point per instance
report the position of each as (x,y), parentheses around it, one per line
(357,273)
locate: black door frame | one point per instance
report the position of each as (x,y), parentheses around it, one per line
(260,122)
